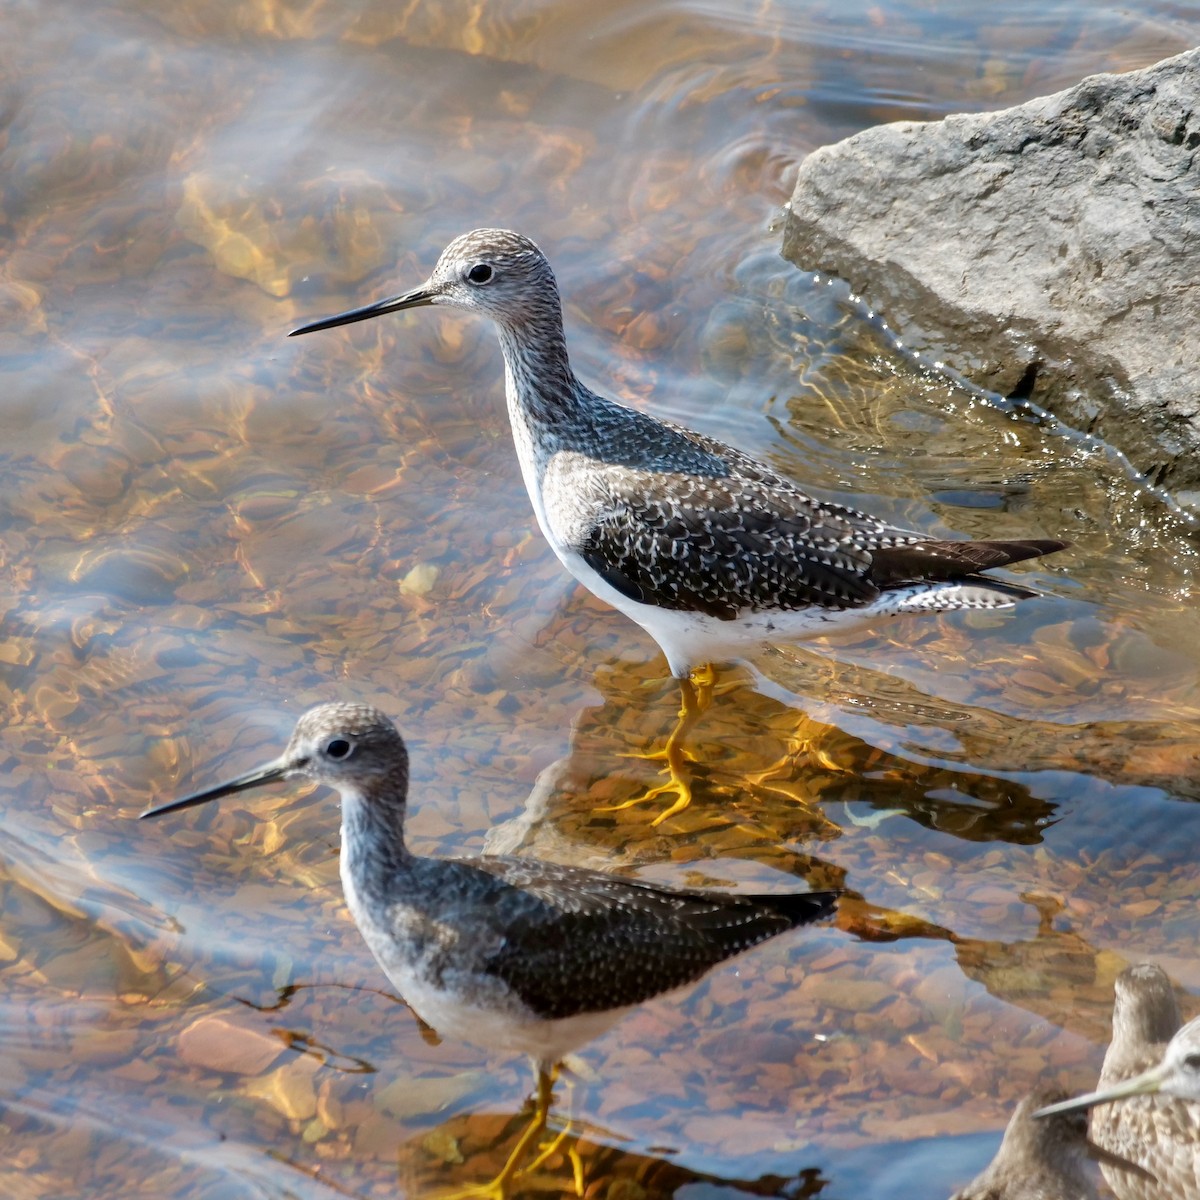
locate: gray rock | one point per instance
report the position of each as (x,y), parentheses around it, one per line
(1062,234)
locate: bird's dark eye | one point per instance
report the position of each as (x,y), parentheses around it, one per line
(1192,1062)
(480,273)
(338,747)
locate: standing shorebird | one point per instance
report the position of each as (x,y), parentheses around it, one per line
(508,953)
(710,551)
(1147,1105)
(1042,1160)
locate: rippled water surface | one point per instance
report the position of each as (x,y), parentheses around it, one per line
(208,527)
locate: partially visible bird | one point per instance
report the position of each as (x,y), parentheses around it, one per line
(711,551)
(1041,1160)
(511,954)
(1147,1106)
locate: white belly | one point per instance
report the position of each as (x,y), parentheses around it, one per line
(475,1009)
(691,639)
(547,1042)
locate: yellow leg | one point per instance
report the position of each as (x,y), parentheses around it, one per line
(498,1188)
(805,744)
(552,1147)
(697,690)
(704,679)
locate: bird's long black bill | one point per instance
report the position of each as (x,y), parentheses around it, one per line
(414,299)
(269,774)
(1147,1083)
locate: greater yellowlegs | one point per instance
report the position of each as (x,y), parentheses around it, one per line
(1042,1160)
(1147,1105)
(707,549)
(509,953)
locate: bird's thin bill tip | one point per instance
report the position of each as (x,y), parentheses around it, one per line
(417,298)
(1051,1110)
(314,326)
(270,773)
(1075,1104)
(159,809)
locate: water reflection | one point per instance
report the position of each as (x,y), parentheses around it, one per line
(767,774)
(466,1147)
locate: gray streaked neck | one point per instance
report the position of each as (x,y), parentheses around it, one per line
(373,848)
(538,371)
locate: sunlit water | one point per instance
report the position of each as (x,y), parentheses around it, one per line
(209,527)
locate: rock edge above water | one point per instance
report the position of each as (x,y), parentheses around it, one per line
(1063,233)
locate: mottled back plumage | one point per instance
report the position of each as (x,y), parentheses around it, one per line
(568,941)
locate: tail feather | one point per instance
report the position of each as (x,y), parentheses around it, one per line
(799,908)
(936,561)
(970,592)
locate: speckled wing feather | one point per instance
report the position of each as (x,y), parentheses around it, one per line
(701,526)
(722,546)
(578,941)
(1160,1133)
(693,524)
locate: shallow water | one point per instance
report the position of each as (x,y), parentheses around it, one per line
(208,527)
